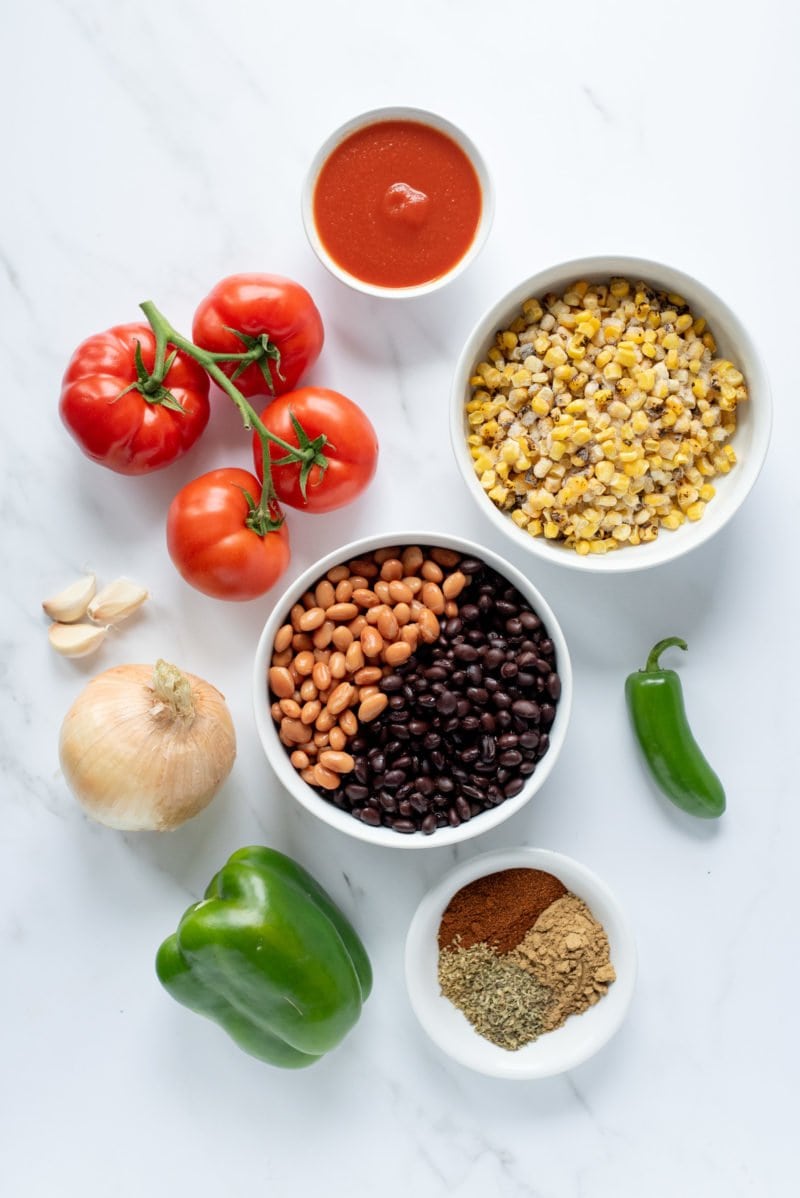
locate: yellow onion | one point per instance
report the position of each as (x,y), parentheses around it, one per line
(146,747)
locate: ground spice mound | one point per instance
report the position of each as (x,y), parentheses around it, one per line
(566,951)
(504,1003)
(498,909)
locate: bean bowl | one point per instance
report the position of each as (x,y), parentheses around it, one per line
(581,1036)
(482,701)
(749,441)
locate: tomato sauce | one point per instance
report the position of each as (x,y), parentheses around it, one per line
(397,203)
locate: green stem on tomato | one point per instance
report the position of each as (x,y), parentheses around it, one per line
(261,519)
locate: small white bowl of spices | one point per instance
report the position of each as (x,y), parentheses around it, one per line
(520,963)
(610,414)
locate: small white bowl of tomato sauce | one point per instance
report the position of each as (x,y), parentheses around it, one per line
(397,202)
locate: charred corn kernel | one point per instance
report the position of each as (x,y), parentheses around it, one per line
(496,358)
(533,310)
(521,378)
(535,528)
(706,492)
(562,431)
(582,547)
(541,344)
(604,470)
(555,356)
(709,342)
(540,405)
(671,360)
(619,287)
(557,450)
(626,356)
(671,341)
(612,333)
(683,323)
(564,372)
(490,429)
(672,520)
(576,406)
(503,469)
(619,483)
(656,499)
(603,358)
(576,346)
(519,517)
(612,372)
(602,396)
(699,388)
(640,423)
(488,479)
(626,387)
(588,325)
(581,436)
(475,419)
(508,340)
(695,510)
(509,451)
(645,380)
(551,530)
(499,494)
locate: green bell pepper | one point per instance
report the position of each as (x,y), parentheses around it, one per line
(269,957)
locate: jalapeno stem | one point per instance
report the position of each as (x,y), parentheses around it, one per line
(652,663)
(164,334)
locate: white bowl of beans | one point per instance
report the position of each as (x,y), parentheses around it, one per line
(467,1033)
(610,414)
(412,689)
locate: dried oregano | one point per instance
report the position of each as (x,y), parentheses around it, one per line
(504,1003)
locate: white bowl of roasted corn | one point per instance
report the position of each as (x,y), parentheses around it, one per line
(610,413)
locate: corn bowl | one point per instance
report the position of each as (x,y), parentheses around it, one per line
(720,495)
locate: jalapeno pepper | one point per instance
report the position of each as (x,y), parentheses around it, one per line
(656,707)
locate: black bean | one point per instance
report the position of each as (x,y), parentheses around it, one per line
(529,739)
(356,793)
(509,669)
(488,722)
(368,815)
(463,808)
(508,740)
(548,714)
(469,613)
(529,620)
(477,694)
(403,825)
(465,652)
(475,675)
(511,757)
(513,626)
(488,748)
(513,786)
(453,626)
(554,687)
(470,565)
(428,824)
(471,791)
(392,682)
(526,709)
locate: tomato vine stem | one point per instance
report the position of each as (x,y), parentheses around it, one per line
(261,519)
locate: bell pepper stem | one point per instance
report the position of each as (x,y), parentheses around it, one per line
(652,661)
(164,334)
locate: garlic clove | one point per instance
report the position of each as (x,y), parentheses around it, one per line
(117,601)
(76,640)
(71,604)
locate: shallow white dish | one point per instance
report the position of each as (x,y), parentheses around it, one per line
(754,418)
(327,812)
(397,114)
(554,1052)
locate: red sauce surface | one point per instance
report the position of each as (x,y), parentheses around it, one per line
(397,203)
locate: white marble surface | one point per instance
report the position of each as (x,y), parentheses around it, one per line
(149,149)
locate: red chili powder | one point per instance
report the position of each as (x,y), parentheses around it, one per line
(498,909)
(397,203)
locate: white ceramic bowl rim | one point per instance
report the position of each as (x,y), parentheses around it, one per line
(555,1052)
(754,418)
(327,812)
(376,116)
